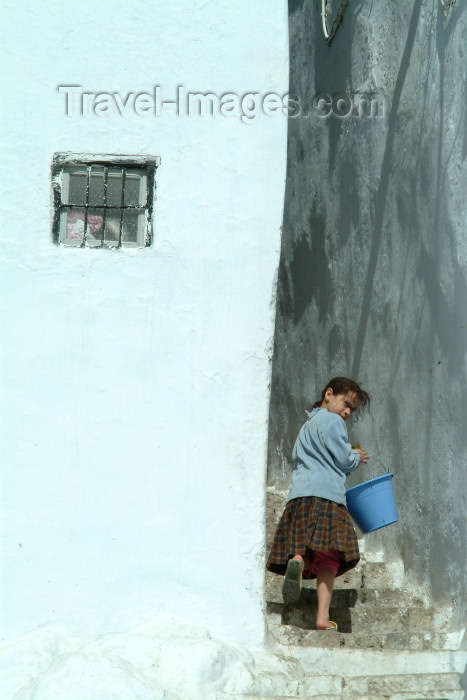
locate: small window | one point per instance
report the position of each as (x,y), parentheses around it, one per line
(103,202)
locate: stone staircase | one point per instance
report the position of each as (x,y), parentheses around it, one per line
(392,642)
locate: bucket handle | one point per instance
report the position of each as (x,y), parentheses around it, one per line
(378,460)
(374,457)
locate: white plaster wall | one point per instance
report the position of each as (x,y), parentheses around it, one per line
(373,276)
(135,382)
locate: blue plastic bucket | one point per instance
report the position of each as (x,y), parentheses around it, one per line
(372,504)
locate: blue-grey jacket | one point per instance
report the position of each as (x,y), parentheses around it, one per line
(322,458)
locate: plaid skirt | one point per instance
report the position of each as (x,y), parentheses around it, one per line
(311,524)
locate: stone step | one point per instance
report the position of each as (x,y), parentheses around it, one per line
(449,694)
(369,574)
(372,662)
(390,687)
(348,597)
(280,634)
(368,619)
(434,682)
(392,644)
(382,574)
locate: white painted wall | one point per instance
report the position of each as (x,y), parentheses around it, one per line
(135,382)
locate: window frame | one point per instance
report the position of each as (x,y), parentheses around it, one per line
(60,182)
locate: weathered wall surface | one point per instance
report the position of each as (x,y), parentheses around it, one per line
(373,269)
(135,382)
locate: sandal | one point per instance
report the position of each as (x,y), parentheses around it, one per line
(332,626)
(292,586)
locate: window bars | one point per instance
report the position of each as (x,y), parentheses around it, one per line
(103,203)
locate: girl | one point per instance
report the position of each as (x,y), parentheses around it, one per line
(315,537)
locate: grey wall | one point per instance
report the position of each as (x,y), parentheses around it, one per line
(372,281)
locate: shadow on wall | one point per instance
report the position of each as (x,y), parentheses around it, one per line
(372,279)
(309,262)
(382,193)
(307,290)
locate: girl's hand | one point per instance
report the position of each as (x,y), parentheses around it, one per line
(364,456)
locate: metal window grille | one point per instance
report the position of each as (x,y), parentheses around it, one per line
(103,203)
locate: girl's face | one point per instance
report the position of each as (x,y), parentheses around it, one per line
(342,404)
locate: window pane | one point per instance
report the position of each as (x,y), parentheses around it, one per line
(75,224)
(112,226)
(102,201)
(133,187)
(77,185)
(94,231)
(114,187)
(96,186)
(131,223)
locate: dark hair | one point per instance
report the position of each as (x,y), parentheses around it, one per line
(341,385)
